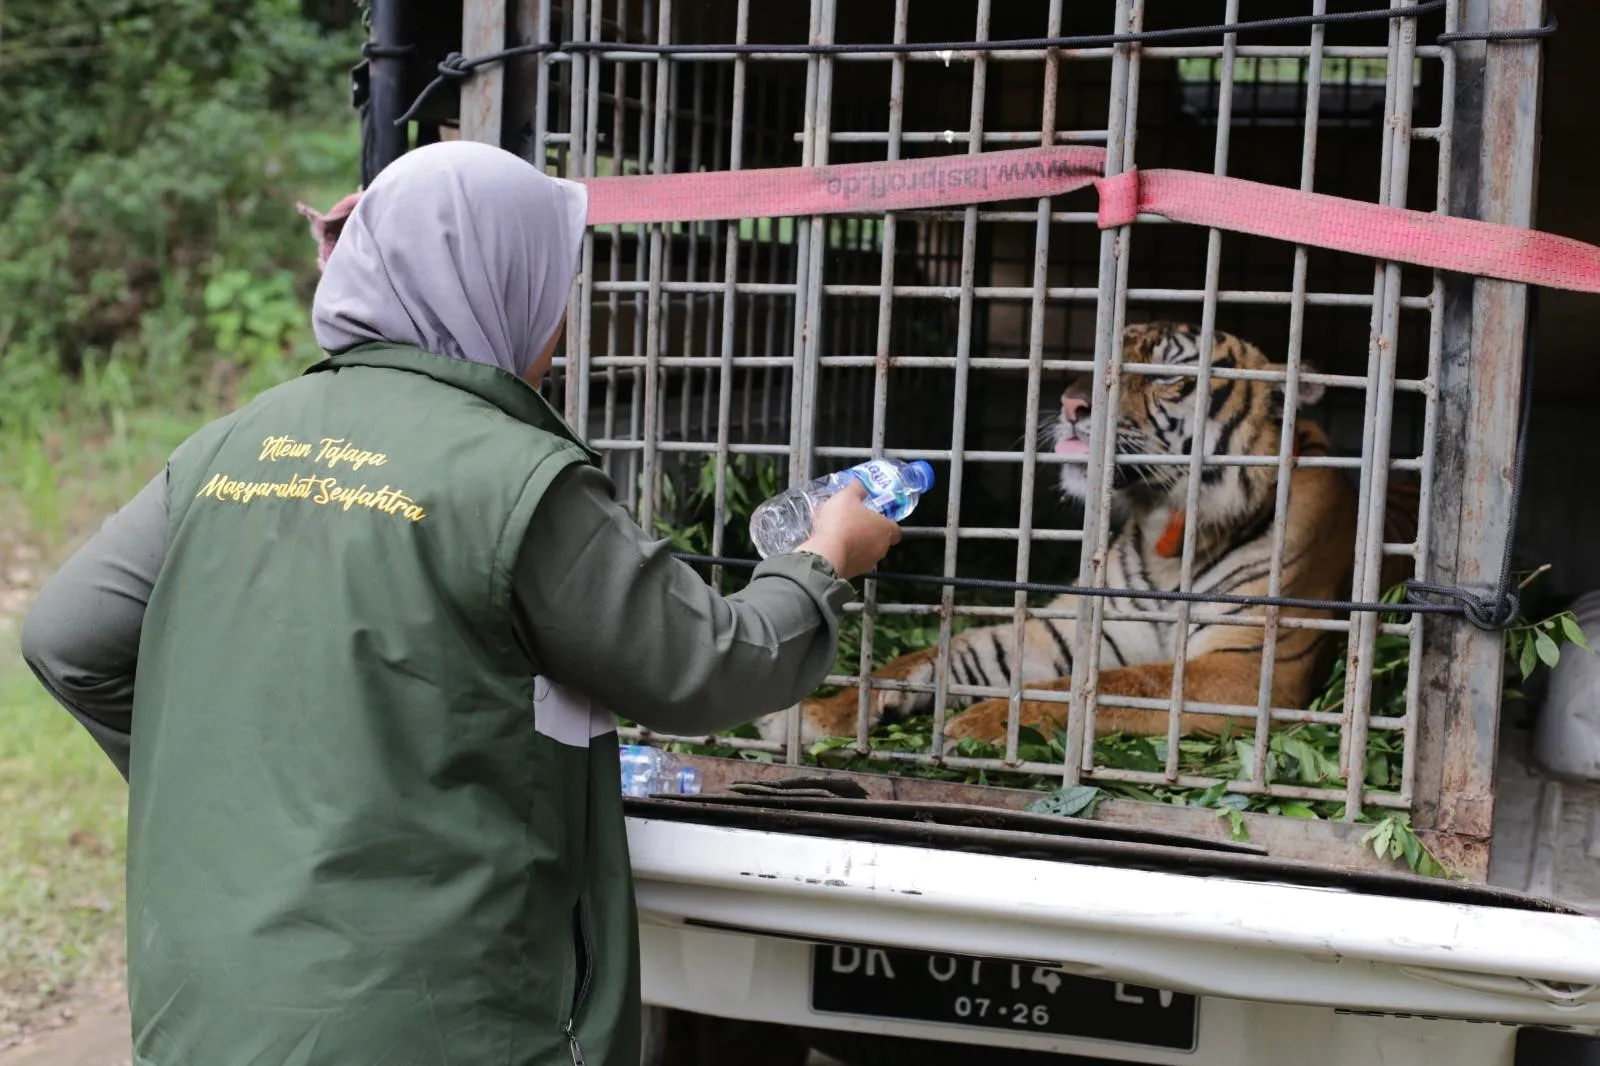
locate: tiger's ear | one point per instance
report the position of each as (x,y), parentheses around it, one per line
(1310,391)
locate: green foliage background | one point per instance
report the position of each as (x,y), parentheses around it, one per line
(150,159)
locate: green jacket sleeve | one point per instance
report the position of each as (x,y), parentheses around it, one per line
(605,609)
(81,636)
(597,605)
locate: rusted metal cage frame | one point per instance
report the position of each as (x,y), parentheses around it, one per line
(1475,335)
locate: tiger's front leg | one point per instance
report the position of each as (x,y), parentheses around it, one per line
(1221,677)
(978,657)
(835,716)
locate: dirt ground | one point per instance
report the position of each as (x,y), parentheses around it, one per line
(96,1034)
(90,1032)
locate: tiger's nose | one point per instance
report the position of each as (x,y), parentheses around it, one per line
(1073,407)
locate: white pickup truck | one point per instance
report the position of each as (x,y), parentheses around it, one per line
(877,932)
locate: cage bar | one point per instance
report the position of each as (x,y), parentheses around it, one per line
(1202,401)
(1110,319)
(1495,129)
(1291,405)
(969,237)
(882,361)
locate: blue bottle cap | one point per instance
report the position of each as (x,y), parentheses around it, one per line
(919,475)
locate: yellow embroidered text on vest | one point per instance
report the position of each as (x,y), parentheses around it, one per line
(318,490)
(331,451)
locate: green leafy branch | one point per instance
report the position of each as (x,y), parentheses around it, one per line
(687,503)
(1393,838)
(1528,644)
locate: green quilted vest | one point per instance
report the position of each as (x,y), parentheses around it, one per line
(353,838)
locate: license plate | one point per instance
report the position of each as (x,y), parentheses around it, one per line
(1019,997)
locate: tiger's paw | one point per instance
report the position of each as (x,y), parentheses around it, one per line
(986,722)
(838,714)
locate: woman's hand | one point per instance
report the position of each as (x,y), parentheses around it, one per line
(849,534)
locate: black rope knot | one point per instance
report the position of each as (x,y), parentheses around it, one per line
(455,66)
(1493,613)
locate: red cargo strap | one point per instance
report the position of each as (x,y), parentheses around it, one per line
(1388,233)
(1392,233)
(850,188)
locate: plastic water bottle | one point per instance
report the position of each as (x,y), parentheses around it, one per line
(780,525)
(647,770)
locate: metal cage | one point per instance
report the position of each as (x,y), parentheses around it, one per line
(814,343)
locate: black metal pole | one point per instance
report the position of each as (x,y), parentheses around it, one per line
(386,65)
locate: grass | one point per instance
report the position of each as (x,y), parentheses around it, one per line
(60,855)
(61,851)
(58,483)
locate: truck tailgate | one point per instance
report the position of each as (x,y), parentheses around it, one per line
(1237,936)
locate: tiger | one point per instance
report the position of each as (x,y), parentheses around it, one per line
(1233,535)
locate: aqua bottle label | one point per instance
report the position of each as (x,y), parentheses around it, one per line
(882,483)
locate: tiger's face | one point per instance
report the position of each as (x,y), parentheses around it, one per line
(1156,416)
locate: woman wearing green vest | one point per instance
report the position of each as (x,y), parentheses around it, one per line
(379,620)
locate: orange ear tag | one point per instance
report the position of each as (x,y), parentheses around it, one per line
(1171,542)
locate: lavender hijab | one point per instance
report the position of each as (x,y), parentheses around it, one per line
(459,248)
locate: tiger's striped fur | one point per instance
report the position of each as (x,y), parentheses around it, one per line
(1233,545)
